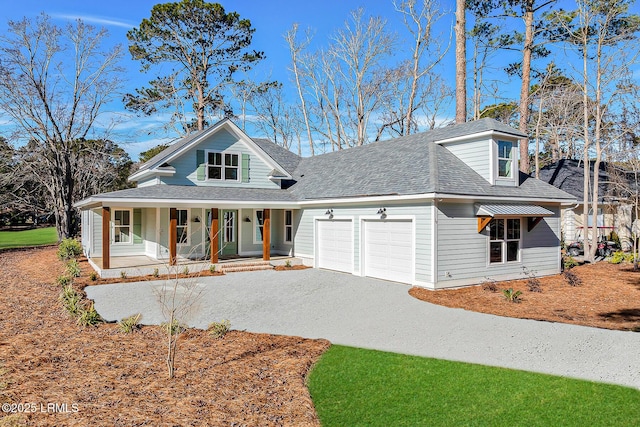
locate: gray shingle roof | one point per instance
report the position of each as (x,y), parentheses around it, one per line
(406,166)
(568,175)
(285,158)
(193,192)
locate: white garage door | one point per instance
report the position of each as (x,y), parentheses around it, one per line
(388,250)
(335,245)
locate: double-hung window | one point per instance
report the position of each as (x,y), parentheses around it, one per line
(183,226)
(222,166)
(505,159)
(504,240)
(258,230)
(288,226)
(122,226)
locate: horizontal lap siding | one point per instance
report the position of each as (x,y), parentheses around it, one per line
(462,252)
(476,154)
(185,165)
(304,232)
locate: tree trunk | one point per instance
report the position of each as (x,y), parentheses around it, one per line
(526,83)
(461,62)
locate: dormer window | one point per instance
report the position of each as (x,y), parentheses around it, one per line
(222,166)
(505,159)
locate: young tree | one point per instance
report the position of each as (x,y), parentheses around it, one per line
(54,83)
(203,47)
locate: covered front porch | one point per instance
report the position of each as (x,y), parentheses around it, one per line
(138,240)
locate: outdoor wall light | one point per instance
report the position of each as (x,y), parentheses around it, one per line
(247,219)
(329,212)
(196,219)
(382,211)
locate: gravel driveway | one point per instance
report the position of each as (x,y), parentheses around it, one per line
(376,314)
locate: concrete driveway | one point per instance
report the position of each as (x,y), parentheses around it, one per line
(376,314)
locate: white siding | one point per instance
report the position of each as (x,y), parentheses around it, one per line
(304,232)
(96,233)
(462,252)
(186,166)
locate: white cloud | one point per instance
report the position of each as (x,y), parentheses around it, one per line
(95,20)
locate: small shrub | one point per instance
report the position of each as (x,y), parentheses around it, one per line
(212,269)
(69,249)
(173,328)
(511,295)
(617,257)
(572,278)
(489,285)
(129,324)
(629,257)
(63,280)
(156,272)
(185,270)
(89,317)
(569,262)
(533,284)
(287,263)
(70,301)
(93,276)
(219,329)
(73,268)
(123,274)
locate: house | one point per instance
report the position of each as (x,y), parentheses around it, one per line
(438,209)
(615,213)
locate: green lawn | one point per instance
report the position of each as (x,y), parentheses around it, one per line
(35,237)
(352,387)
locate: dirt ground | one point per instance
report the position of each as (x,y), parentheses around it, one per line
(59,374)
(609,297)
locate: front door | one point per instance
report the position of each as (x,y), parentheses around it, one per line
(229,233)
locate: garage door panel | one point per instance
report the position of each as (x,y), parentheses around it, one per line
(335,245)
(388,250)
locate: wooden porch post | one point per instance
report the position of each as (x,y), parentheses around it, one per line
(213,235)
(173,235)
(266,235)
(106,237)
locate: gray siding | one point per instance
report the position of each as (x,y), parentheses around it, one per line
(462,252)
(185,165)
(476,154)
(304,232)
(278,246)
(96,233)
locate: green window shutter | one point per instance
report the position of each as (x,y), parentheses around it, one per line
(245,168)
(137,226)
(200,175)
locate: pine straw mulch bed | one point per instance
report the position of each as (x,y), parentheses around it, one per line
(609,297)
(120,379)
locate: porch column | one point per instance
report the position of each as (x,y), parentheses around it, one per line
(173,235)
(266,235)
(213,235)
(106,237)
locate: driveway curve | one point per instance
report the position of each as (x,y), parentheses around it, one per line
(375,314)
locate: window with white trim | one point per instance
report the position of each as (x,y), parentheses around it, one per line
(288,226)
(504,240)
(182,226)
(258,228)
(505,159)
(122,226)
(222,166)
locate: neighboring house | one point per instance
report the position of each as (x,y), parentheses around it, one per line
(614,212)
(438,209)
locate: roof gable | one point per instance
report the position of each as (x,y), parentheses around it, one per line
(182,146)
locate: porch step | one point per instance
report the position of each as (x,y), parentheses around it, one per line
(245,266)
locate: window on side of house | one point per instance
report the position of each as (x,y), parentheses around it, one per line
(505,159)
(504,240)
(288,226)
(183,226)
(122,226)
(222,166)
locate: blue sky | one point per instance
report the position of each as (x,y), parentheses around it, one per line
(270,18)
